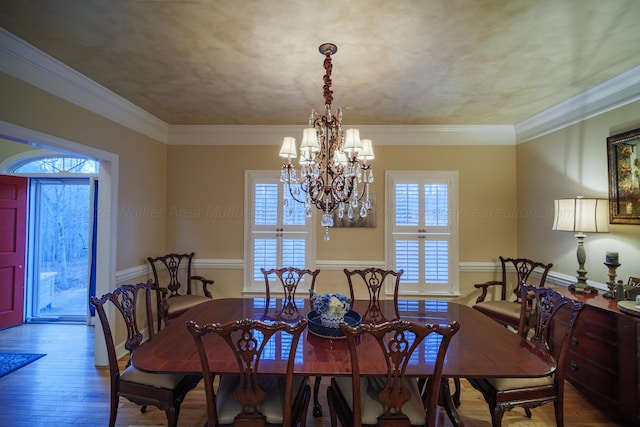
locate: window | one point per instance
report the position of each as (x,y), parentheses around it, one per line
(422,230)
(276,230)
(56,165)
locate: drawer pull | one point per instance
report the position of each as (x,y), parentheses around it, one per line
(573,365)
(574,341)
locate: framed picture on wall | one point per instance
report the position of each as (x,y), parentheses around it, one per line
(623,152)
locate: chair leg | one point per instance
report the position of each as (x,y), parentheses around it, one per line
(172,412)
(456,394)
(557,406)
(113,410)
(143,408)
(317,408)
(332,409)
(527,411)
(305,406)
(496,416)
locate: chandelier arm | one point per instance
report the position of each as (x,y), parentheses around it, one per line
(313,187)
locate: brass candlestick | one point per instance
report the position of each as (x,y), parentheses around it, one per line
(612,279)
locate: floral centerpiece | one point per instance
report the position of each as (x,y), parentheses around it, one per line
(331,308)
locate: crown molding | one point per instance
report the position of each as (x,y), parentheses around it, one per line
(614,93)
(381,134)
(24,62)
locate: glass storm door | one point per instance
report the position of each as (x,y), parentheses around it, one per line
(59,249)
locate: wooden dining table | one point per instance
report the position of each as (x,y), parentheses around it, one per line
(481,349)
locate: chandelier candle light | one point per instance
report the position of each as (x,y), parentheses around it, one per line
(333,162)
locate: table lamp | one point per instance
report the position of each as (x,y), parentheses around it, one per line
(581,216)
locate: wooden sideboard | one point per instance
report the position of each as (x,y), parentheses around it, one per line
(603,361)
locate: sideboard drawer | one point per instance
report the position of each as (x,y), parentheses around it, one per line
(597,349)
(593,354)
(599,383)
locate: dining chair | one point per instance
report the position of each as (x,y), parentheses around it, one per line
(290,278)
(249,398)
(166,391)
(553,322)
(391,398)
(174,291)
(373,280)
(505,309)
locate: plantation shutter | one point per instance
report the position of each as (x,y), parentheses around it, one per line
(279,232)
(421,230)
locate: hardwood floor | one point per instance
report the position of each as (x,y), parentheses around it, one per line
(64,388)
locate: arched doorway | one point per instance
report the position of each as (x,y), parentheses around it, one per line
(107,205)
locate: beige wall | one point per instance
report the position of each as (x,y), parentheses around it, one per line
(564,164)
(142,162)
(205,204)
(10,148)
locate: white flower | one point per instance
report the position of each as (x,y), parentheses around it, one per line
(337,308)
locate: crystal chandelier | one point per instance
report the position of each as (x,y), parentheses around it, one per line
(333,163)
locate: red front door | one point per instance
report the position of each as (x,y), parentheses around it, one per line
(13,234)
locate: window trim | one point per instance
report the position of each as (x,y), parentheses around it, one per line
(451,177)
(261,176)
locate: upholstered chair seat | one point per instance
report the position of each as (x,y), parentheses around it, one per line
(505,384)
(371,406)
(228,408)
(168,381)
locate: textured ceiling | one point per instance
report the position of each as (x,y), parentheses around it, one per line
(429,62)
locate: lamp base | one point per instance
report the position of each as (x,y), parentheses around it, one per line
(580,288)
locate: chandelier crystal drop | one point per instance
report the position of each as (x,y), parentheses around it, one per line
(335,169)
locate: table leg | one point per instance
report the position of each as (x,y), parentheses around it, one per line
(446,402)
(317,408)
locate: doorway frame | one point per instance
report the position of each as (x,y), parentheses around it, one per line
(107,211)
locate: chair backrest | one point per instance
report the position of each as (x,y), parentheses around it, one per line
(247,339)
(548,304)
(178,267)
(290,278)
(524,268)
(398,340)
(125,299)
(373,280)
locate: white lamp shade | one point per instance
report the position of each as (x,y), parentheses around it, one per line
(310,140)
(352,141)
(367,150)
(288,148)
(581,215)
(340,158)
